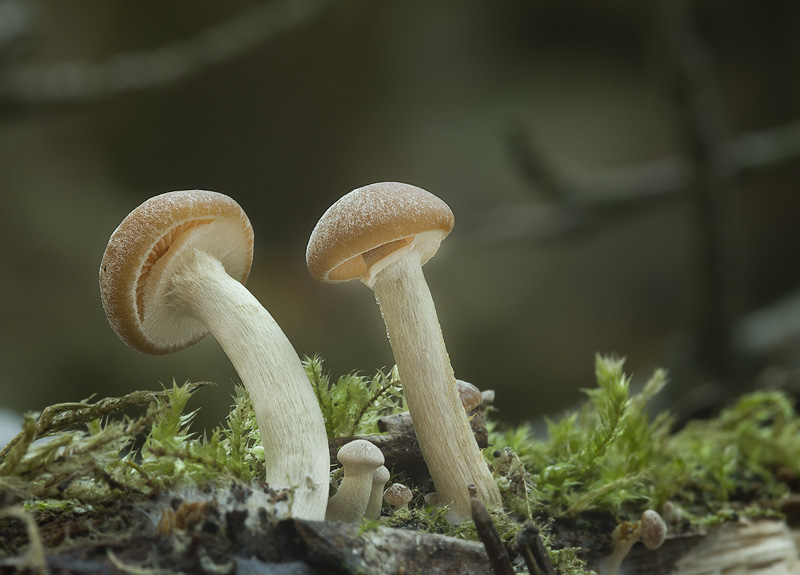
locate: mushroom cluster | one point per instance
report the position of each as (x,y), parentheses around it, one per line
(361,461)
(173,271)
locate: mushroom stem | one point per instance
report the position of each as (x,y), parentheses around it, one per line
(379,478)
(445,438)
(270,369)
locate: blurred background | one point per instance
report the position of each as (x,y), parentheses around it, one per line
(624,177)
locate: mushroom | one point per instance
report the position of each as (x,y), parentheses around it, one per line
(654,529)
(469,395)
(379,478)
(383,234)
(360,458)
(398,496)
(174,270)
(651,529)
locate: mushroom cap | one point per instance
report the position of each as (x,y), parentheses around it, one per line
(469,394)
(360,454)
(380,476)
(653,529)
(397,494)
(391,216)
(137,260)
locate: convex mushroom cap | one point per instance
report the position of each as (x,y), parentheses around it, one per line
(360,458)
(367,229)
(398,496)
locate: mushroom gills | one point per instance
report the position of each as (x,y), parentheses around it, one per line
(159,249)
(214,238)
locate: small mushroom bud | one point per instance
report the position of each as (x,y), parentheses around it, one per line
(653,530)
(398,496)
(672,513)
(379,478)
(360,459)
(469,394)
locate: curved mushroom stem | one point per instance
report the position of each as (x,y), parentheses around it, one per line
(445,438)
(289,419)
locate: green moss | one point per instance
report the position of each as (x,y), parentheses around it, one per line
(353,403)
(609,456)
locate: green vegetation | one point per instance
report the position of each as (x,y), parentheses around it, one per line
(610,456)
(353,404)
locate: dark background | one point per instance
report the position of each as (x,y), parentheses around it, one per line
(510,111)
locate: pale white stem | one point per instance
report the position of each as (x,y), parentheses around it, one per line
(624,537)
(379,478)
(289,419)
(349,505)
(445,438)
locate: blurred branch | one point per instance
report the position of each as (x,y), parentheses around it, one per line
(577,203)
(75,82)
(700,110)
(705,176)
(765,330)
(17,18)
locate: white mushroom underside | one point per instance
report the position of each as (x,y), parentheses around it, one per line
(167,325)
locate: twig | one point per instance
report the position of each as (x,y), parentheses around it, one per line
(533,552)
(703,132)
(596,195)
(75,82)
(487,532)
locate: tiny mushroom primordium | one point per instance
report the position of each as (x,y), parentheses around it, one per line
(173,271)
(382,234)
(360,459)
(397,496)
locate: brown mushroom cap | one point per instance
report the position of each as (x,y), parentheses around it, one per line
(469,394)
(653,529)
(138,258)
(361,231)
(397,495)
